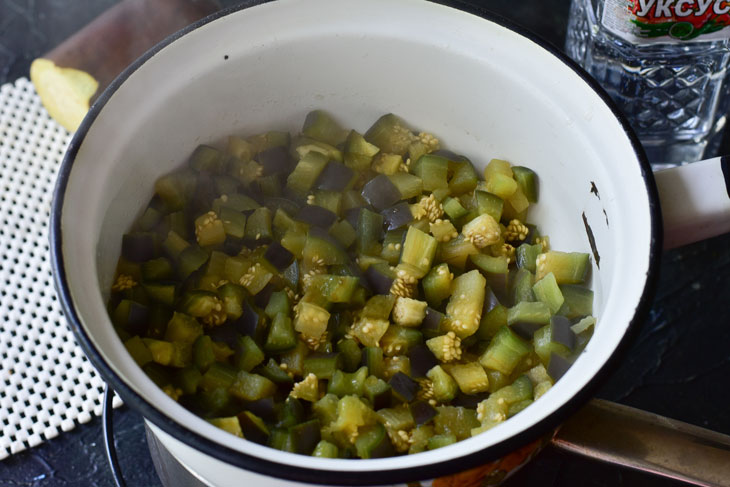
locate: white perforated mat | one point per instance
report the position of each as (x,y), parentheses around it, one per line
(46,383)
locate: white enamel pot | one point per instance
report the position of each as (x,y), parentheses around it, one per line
(485,88)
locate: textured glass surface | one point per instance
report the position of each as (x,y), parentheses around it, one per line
(673,94)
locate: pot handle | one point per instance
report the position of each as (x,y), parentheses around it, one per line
(107,427)
(695,200)
(640,440)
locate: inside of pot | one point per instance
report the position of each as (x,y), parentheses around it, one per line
(481,88)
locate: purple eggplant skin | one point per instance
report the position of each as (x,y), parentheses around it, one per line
(353,216)
(233,246)
(490,301)
(227,333)
(251,430)
(248,322)
(278,256)
(291,274)
(377,281)
(422,360)
(499,284)
(263,408)
(291,413)
(274,203)
(323,234)
(384,449)
(305,436)
(262,297)
(139,246)
(137,319)
(204,193)
(383,400)
(558,366)
(561,331)
(317,216)
(397,216)
(469,400)
(422,412)
(335,177)
(524,329)
(431,325)
(354,270)
(275,160)
(380,192)
(404,386)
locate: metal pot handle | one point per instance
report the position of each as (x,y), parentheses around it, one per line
(644,441)
(107,426)
(695,200)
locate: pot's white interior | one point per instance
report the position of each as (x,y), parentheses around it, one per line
(484,90)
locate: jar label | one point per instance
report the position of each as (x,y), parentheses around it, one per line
(667,21)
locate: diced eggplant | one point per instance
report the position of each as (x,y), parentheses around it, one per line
(262,297)
(558,366)
(289,206)
(241,202)
(344,233)
(403,386)
(490,301)
(397,216)
(422,412)
(470,401)
(422,360)
(249,355)
(275,373)
(391,134)
(372,358)
(291,275)
(305,436)
(263,408)
(271,186)
(253,428)
(204,193)
(278,256)
(317,216)
(232,246)
(137,318)
(525,329)
(373,442)
(379,278)
(561,331)
(215,305)
(431,325)
(248,323)
(335,177)
(450,155)
(369,231)
(290,413)
(380,192)
(316,232)
(323,365)
(206,158)
(226,333)
(351,354)
(352,216)
(378,392)
(275,160)
(191,259)
(139,247)
(319,125)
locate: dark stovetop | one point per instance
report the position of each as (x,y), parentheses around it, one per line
(678,366)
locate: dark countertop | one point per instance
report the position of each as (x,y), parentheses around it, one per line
(678,366)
